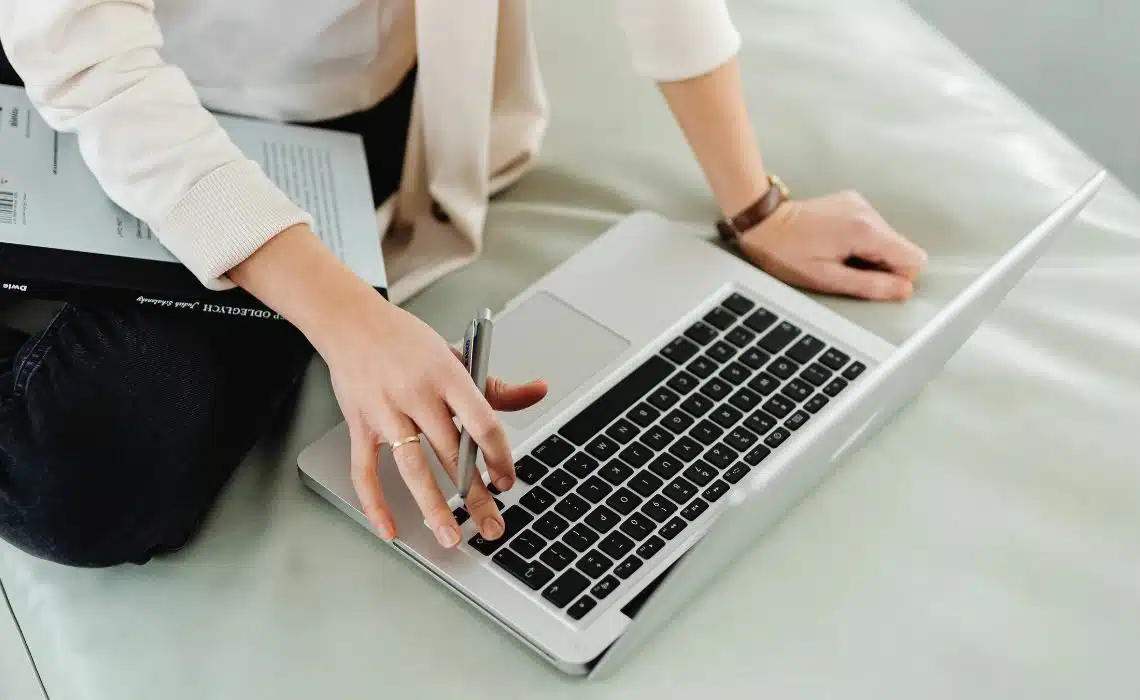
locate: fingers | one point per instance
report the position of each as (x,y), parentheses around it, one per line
(837,278)
(479,419)
(444,438)
(514,397)
(414,468)
(366,479)
(875,241)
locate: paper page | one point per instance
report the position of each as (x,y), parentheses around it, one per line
(49,198)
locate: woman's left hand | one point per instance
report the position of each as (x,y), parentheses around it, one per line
(809,243)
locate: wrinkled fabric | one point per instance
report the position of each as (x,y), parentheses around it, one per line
(985,545)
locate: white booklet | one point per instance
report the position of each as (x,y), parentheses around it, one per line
(61,237)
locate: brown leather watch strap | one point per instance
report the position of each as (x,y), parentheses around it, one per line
(731,229)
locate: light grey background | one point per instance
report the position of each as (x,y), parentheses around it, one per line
(1074,61)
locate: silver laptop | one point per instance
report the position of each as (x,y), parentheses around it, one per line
(693,401)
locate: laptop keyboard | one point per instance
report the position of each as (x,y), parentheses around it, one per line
(647,458)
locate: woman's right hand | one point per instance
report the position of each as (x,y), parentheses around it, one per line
(394,378)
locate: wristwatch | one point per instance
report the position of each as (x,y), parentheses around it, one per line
(731,229)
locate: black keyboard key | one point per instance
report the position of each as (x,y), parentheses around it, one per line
(721,318)
(572,507)
(700,473)
(852,373)
(726,416)
(643,414)
(528,544)
(759,422)
(581,608)
(551,525)
(721,352)
(616,401)
(764,383)
(740,439)
(559,482)
(834,359)
(515,519)
(702,367)
(777,437)
(602,448)
(622,430)
(558,556)
(737,304)
(815,374)
(735,373)
(604,587)
(580,537)
(638,526)
(529,470)
(797,420)
(782,367)
(636,454)
(678,421)
(697,405)
(680,490)
(706,432)
(778,338)
(657,438)
(693,511)
(815,403)
(650,547)
(659,508)
(553,451)
(628,567)
(615,472)
(616,545)
(745,399)
(701,333)
(740,336)
(720,456)
(645,483)
(566,588)
(680,350)
(685,449)
(666,466)
(664,398)
(498,504)
(683,382)
(580,465)
(537,499)
(757,455)
(779,406)
(738,472)
(594,564)
(797,390)
(754,358)
(602,519)
(672,528)
(806,348)
(532,573)
(461,515)
(835,386)
(624,501)
(494,490)
(760,320)
(715,490)
(594,489)
(716,389)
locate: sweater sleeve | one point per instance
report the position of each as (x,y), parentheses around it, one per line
(92,68)
(674,40)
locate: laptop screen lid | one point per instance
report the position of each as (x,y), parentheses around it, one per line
(768,494)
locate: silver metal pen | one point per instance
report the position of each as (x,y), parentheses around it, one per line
(476,358)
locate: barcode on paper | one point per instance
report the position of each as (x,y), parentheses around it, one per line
(7,207)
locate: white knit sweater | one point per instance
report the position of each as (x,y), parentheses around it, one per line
(94,67)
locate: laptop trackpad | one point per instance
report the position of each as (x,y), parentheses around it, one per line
(545,338)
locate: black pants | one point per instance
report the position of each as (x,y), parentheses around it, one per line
(119,426)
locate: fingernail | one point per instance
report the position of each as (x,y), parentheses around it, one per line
(504,483)
(447,535)
(385,532)
(492,529)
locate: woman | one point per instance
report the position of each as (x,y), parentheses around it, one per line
(118,426)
